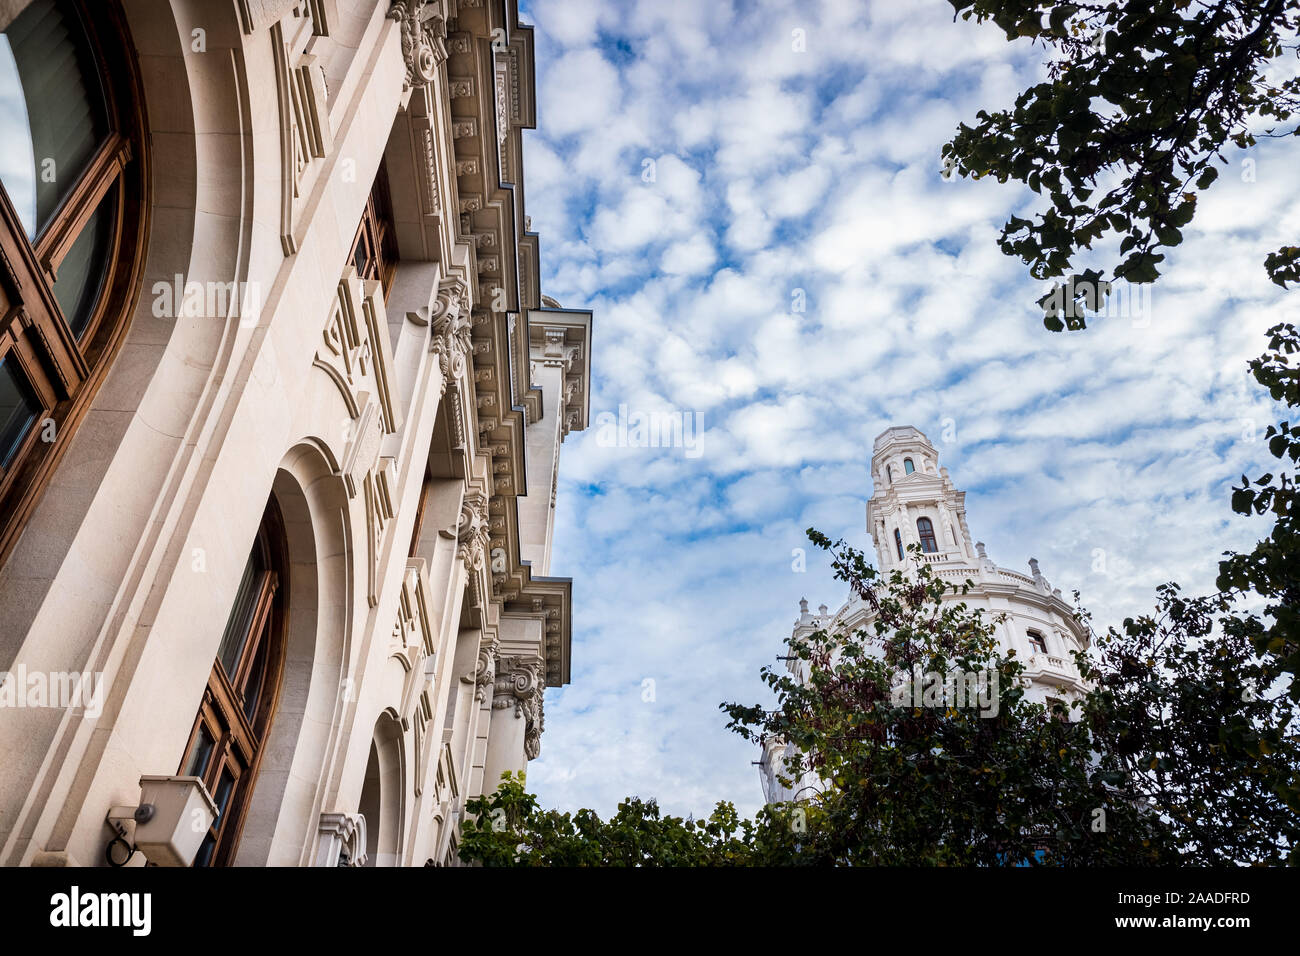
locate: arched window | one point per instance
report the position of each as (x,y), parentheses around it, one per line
(925,528)
(71,237)
(908,467)
(1038,642)
(889,474)
(898,543)
(227,740)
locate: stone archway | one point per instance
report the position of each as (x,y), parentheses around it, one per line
(382,800)
(284,809)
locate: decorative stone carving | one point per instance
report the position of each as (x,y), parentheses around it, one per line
(424,40)
(520,684)
(536,724)
(451,340)
(355,350)
(517,681)
(379,514)
(305,133)
(485,669)
(342,840)
(472,533)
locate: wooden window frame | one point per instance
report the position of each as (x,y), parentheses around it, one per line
(64,369)
(925,531)
(239,742)
(1037,640)
(377,235)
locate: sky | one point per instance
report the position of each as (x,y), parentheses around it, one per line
(751,203)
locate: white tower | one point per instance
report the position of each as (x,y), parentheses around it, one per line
(914,502)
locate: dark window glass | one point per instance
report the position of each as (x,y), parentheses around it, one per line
(908,467)
(241,615)
(67,114)
(222,797)
(198,764)
(18,409)
(925,528)
(898,543)
(253,692)
(81,274)
(204,857)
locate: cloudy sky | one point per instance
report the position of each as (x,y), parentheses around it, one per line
(751,202)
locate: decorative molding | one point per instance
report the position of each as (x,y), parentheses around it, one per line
(520,684)
(305,134)
(472,532)
(341,840)
(356,352)
(485,667)
(380,512)
(450,339)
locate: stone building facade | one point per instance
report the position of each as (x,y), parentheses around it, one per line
(916,503)
(282,407)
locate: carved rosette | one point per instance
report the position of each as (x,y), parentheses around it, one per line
(424,39)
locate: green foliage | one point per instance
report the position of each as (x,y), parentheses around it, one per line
(1140,102)
(1271,570)
(1200,728)
(946,785)
(508,829)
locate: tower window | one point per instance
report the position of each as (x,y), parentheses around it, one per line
(898,543)
(889,474)
(1038,642)
(908,467)
(925,528)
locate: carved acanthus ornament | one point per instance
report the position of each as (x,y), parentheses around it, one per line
(520,684)
(451,340)
(472,532)
(424,39)
(485,670)
(536,724)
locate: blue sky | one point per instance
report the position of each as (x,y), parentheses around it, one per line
(1108,454)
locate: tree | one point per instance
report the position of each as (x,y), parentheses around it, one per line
(1199,728)
(508,828)
(916,773)
(1140,102)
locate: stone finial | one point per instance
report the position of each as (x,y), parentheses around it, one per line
(803,605)
(1038,575)
(823,610)
(979,549)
